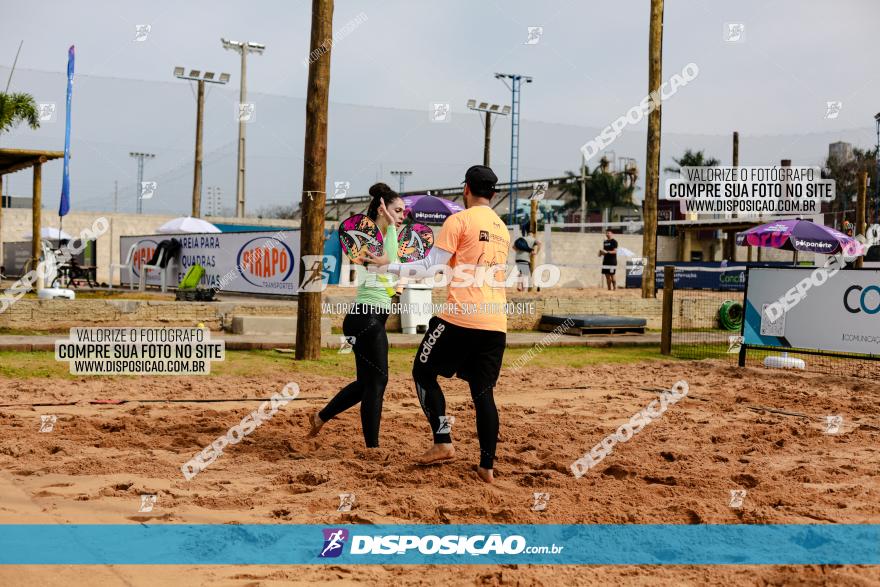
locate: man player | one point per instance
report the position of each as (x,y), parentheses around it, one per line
(468,336)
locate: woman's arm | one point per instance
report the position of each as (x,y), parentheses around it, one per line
(436,261)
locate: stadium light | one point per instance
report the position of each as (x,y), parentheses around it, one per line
(201,79)
(489,109)
(242,48)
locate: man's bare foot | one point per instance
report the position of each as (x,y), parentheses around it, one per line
(315,424)
(486,475)
(438,452)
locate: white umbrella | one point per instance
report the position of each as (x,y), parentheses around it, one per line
(186,225)
(50,233)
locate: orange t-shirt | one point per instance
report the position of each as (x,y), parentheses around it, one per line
(479,243)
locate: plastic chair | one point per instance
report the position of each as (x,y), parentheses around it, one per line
(158,266)
(127,265)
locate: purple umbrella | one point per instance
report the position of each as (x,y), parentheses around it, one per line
(430,209)
(799,235)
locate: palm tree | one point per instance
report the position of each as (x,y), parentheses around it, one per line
(18,108)
(845,173)
(604,190)
(692,159)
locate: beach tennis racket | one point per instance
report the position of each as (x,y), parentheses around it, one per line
(359,234)
(414,242)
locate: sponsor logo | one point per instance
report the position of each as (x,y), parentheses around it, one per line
(265,260)
(813,244)
(142,254)
(430,342)
(484,235)
(863,304)
(334,540)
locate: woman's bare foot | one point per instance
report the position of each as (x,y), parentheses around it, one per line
(486,475)
(315,424)
(438,452)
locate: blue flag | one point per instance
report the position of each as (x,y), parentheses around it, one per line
(64,207)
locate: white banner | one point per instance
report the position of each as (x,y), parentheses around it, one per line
(839,314)
(249,262)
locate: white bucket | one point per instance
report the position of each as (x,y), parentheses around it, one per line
(783,362)
(55,293)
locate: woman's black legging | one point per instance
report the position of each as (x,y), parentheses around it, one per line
(365,329)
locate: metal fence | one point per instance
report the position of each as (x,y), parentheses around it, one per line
(707,324)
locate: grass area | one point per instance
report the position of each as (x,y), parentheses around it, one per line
(20,365)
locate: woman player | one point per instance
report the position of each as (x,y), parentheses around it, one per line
(364,327)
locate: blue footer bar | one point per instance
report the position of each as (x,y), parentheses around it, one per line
(291,544)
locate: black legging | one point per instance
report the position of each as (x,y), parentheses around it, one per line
(434,405)
(370,345)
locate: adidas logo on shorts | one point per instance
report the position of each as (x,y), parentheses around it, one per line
(430,341)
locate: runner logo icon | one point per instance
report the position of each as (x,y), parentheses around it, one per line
(334,540)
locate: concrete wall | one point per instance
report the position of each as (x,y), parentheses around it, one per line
(576,254)
(55,315)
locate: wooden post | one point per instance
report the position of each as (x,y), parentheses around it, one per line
(487,139)
(308,323)
(583,192)
(197,174)
(1,222)
(533,230)
(735,163)
(36,220)
(860,227)
(735,149)
(666,330)
(652,163)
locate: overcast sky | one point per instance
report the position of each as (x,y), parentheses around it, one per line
(589,66)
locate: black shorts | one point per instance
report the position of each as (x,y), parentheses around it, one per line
(609,270)
(472,354)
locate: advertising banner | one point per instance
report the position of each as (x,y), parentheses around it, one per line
(248,262)
(839,314)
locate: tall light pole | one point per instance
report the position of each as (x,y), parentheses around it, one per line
(514,85)
(208,77)
(401,176)
(243,48)
(140,183)
(489,110)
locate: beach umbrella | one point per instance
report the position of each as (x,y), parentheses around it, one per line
(50,233)
(430,209)
(800,235)
(186,225)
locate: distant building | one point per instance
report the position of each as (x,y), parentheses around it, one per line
(841,151)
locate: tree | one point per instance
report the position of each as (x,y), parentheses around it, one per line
(845,173)
(604,190)
(692,159)
(18,108)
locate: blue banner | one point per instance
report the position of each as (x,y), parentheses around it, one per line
(64,206)
(290,544)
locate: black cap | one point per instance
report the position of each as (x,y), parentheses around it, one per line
(481,180)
